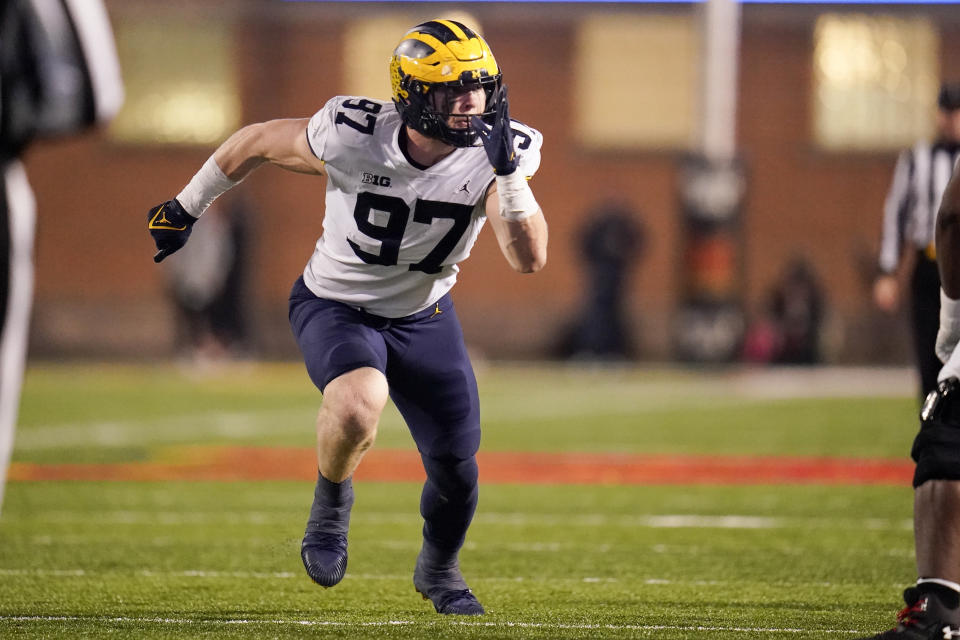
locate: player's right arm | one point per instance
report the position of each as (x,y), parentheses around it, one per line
(948,261)
(279,142)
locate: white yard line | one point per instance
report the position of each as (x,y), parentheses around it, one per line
(390,623)
(180,428)
(658,521)
(388,577)
(288,575)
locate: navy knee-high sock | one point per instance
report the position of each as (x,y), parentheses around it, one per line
(447,504)
(330,512)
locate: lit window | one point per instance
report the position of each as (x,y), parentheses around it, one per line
(875,81)
(180,82)
(365,66)
(636,81)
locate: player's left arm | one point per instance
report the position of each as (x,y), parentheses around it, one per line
(948,237)
(948,262)
(523,242)
(511,207)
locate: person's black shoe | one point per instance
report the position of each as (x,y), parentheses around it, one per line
(924,618)
(324,557)
(446,589)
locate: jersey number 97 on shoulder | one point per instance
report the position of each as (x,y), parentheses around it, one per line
(370,110)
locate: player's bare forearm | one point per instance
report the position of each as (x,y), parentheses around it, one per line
(279,142)
(524,243)
(948,238)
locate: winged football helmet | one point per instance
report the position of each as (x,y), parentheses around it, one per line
(435,55)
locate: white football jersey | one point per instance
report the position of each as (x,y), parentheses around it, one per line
(393,232)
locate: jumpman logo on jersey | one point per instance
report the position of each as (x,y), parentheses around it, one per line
(436,312)
(159,222)
(465,187)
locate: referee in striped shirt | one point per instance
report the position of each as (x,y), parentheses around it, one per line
(909,216)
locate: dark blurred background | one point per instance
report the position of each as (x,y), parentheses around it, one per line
(825,97)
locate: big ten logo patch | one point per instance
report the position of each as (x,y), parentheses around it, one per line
(372,178)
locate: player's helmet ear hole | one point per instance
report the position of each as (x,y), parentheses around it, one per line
(437,55)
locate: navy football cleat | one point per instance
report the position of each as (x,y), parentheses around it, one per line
(324,557)
(446,589)
(924,618)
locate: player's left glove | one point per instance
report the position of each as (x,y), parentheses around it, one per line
(170,225)
(497,139)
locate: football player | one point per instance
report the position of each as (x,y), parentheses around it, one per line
(909,218)
(410,183)
(932,608)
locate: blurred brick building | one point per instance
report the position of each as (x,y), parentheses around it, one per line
(99,293)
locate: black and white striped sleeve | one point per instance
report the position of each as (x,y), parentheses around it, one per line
(896,210)
(59,71)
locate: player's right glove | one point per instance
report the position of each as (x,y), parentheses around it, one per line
(170,225)
(949,333)
(498,139)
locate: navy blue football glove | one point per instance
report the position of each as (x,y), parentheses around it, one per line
(498,138)
(170,225)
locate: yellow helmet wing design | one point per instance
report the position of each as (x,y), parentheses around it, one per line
(440,53)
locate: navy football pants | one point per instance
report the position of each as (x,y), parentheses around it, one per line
(431,382)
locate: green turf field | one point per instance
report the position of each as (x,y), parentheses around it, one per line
(220,559)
